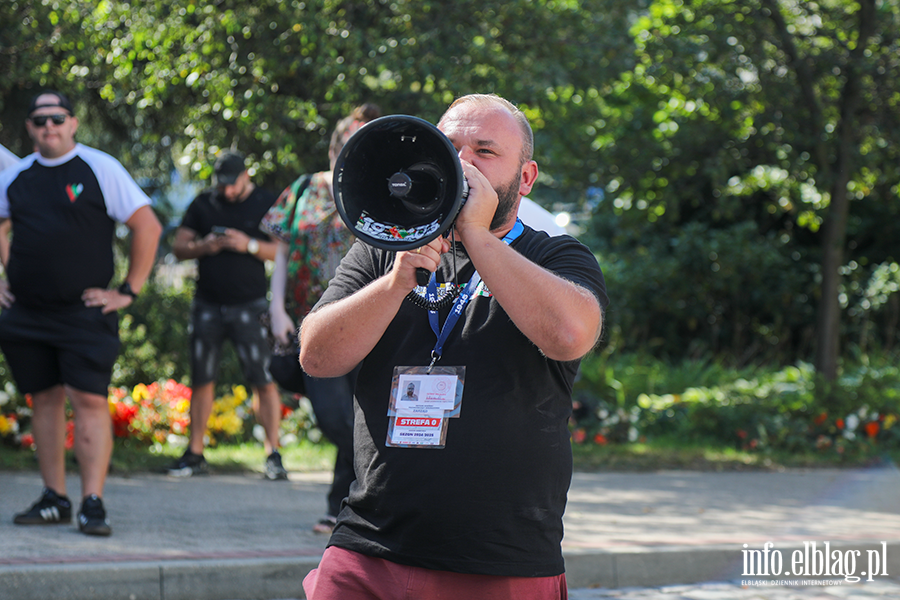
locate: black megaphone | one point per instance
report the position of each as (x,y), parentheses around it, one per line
(398,183)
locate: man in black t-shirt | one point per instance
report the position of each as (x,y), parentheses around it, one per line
(59,325)
(221,230)
(461,494)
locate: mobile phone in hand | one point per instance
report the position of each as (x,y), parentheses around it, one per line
(219,230)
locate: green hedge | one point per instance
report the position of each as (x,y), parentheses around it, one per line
(639,398)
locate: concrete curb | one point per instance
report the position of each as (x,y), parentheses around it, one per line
(262,578)
(689,564)
(266,578)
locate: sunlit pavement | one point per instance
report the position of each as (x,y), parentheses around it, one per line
(232,537)
(886,588)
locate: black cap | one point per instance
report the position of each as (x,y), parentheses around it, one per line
(61,102)
(229,166)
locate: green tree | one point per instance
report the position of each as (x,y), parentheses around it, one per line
(779,112)
(689,116)
(273,76)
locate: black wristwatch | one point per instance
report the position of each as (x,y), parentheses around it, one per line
(125,290)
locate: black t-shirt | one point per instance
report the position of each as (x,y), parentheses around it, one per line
(491,501)
(64,213)
(230,277)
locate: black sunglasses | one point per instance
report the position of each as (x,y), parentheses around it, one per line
(41,120)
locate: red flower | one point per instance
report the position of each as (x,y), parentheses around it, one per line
(839,423)
(741,434)
(28,441)
(122,418)
(286,411)
(821,418)
(872,428)
(578,435)
(600,439)
(178,390)
(70,435)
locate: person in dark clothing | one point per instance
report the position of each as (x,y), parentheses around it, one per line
(462,492)
(221,229)
(312,241)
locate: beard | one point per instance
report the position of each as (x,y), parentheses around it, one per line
(507,201)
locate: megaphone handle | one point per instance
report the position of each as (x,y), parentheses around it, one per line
(422,276)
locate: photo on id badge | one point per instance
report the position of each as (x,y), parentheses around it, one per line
(422,401)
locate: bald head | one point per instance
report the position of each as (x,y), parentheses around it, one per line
(486,101)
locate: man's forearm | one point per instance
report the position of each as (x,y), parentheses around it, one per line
(336,337)
(278,281)
(5,228)
(267,250)
(145,232)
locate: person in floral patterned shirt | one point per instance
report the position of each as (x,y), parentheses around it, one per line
(312,241)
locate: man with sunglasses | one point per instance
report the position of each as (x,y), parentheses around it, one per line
(58,325)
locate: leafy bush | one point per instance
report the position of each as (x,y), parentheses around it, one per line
(698,290)
(769,411)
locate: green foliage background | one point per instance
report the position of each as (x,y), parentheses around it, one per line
(734,165)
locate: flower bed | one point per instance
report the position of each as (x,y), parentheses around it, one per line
(159,413)
(781,411)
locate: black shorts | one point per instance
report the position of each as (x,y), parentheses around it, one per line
(212,324)
(44,348)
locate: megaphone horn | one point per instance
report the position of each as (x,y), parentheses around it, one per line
(419,187)
(398,183)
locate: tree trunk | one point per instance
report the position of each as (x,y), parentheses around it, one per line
(835,229)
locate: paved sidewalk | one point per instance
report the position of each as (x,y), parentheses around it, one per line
(228,537)
(882,589)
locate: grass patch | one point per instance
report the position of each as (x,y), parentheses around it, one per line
(636,457)
(247,457)
(305,456)
(668,455)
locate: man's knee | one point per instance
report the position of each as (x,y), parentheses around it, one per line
(268,392)
(83,401)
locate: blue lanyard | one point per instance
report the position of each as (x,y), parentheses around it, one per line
(461,301)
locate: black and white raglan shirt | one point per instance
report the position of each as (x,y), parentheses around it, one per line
(64,213)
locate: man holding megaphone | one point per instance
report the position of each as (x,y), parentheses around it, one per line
(461,489)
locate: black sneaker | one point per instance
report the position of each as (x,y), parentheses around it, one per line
(50,509)
(92,517)
(189,464)
(274,469)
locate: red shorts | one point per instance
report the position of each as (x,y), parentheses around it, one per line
(346,575)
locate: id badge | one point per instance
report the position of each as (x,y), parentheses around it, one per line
(421,404)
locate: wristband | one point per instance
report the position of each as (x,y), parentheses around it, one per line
(125,290)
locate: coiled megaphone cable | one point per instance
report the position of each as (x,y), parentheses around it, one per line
(448,297)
